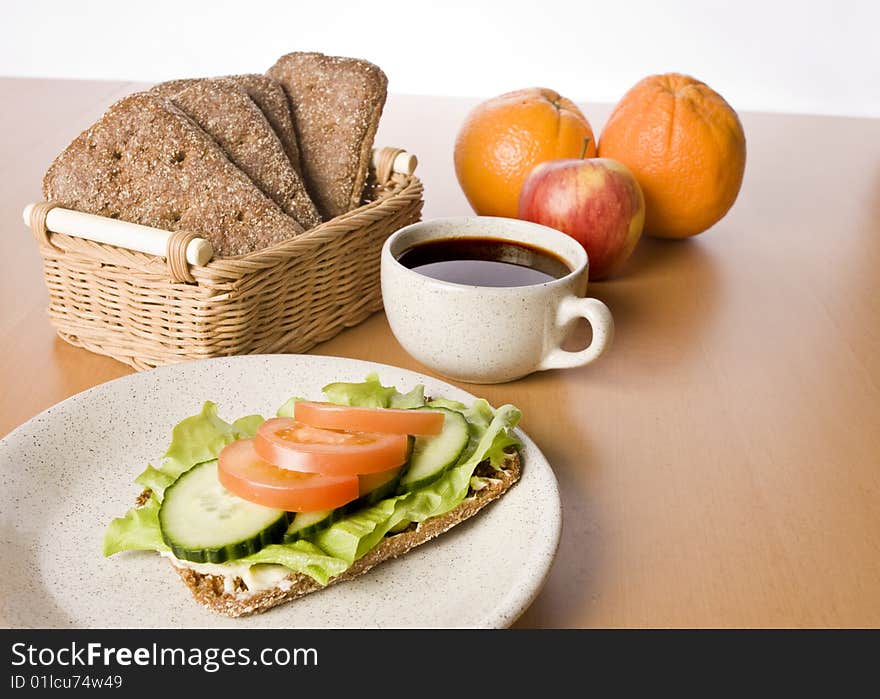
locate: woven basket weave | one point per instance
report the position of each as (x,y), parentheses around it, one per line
(148,311)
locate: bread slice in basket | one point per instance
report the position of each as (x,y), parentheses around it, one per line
(234,599)
(336,105)
(228,115)
(146,162)
(270,97)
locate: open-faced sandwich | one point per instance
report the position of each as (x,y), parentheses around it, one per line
(258,512)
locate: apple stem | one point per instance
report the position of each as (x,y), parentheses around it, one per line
(584,150)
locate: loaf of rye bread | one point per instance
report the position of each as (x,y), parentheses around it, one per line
(210,590)
(146,162)
(228,115)
(336,104)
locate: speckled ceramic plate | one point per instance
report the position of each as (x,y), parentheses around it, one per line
(67,472)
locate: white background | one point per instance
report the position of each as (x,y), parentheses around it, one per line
(761,55)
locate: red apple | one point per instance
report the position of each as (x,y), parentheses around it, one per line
(596,201)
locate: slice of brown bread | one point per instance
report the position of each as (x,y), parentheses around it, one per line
(227,114)
(146,162)
(336,104)
(270,97)
(209,591)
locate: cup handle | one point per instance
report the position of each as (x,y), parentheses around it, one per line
(599,318)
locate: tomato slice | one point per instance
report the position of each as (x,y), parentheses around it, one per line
(242,472)
(343,417)
(288,443)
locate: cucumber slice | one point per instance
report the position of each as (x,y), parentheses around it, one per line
(380,492)
(431,456)
(378,486)
(203,522)
(305,524)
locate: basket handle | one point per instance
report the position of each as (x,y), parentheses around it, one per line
(180,248)
(387,161)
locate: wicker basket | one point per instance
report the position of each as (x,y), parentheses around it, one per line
(147,311)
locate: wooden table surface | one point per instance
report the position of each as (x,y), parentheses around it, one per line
(719,467)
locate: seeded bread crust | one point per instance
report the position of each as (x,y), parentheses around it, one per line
(146,162)
(208,590)
(229,116)
(336,104)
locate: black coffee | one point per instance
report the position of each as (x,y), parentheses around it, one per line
(484,262)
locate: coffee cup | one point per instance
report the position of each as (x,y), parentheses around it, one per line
(461,327)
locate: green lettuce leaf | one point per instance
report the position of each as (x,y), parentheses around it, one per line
(155,480)
(498,438)
(202,437)
(137,530)
(287,409)
(479,415)
(353,536)
(372,394)
(301,557)
(448,404)
(246,427)
(413,399)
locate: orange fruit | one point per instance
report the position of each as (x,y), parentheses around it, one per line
(686,147)
(503,138)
